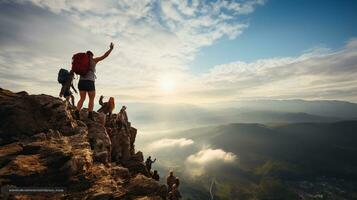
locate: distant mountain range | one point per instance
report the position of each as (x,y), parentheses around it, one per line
(280,145)
(184,116)
(288,153)
(323,143)
(330,108)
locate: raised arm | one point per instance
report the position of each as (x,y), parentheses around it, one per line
(97,59)
(101,100)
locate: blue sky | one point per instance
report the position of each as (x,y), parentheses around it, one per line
(283,28)
(180,51)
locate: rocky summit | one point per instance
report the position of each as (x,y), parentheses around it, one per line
(43,146)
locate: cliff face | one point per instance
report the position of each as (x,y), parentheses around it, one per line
(42,145)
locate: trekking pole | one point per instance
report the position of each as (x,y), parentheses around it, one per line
(75,81)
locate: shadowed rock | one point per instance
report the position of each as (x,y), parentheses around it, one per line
(42,145)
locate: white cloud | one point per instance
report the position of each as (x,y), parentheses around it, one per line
(317,74)
(155,39)
(207,156)
(152,38)
(198,163)
(170,143)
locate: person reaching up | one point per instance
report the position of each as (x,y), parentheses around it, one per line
(86,84)
(107,108)
(149,162)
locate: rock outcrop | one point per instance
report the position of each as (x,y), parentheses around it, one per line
(42,145)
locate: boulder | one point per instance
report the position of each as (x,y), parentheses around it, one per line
(132,136)
(141,185)
(120,172)
(23,115)
(100,142)
(136,164)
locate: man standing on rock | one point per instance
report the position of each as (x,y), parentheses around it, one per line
(86,83)
(149,162)
(171,180)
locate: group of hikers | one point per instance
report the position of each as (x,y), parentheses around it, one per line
(172,181)
(84,65)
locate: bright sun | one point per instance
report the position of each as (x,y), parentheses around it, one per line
(167,84)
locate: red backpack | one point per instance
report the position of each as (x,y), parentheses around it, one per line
(80,63)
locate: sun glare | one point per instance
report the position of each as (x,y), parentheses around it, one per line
(167,84)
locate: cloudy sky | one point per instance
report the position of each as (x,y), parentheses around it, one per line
(185,51)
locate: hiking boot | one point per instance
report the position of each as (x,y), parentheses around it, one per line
(77,115)
(91,116)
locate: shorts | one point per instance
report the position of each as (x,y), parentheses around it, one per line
(86,85)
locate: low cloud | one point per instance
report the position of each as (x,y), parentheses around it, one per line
(206,156)
(170,143)
(198,163)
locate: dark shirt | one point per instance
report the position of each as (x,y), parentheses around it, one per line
(149,162)
(156,177)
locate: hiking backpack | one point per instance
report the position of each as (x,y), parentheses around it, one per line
(62,76)
(80,63)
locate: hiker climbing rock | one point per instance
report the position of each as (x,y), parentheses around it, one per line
(106,109)
(122,119)
(174,194)
(149,162)
(171,180)
(65,78)
(84,64)
(156,176)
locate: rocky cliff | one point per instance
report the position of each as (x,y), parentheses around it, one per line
(42,145)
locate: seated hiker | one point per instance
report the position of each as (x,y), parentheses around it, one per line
(156,176)
(149,162)
(66,78)
(177,182)
(107,108)
(122,119)
(174,194)
(171,180)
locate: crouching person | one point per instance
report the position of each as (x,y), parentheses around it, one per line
(106,109)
